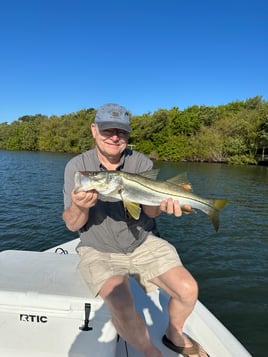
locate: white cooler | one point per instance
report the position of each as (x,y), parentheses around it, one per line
(46,308)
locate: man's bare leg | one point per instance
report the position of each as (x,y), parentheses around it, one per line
(183,291)
(131,327)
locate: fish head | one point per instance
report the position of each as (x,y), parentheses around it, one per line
(104,182)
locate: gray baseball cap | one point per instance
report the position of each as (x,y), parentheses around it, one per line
(113,116)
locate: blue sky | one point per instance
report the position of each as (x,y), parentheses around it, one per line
(60,56)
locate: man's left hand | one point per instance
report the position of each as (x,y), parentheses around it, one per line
(171,206)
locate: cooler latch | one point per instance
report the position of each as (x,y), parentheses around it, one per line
(85,327)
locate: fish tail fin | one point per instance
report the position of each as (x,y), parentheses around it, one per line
(220,203)
(217,205)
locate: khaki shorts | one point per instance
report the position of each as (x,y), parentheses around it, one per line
(152,258)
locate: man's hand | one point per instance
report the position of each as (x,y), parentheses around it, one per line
(168,206)
(76,216)
(171,206)
(85,199)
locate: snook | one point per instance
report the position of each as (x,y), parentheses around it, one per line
(135,189)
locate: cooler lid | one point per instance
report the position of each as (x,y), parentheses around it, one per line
(42,279)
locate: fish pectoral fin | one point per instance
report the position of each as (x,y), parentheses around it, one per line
(133,209)
(182,181)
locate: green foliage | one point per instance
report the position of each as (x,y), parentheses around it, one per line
(207,145)
(241,160)
(175,148)
(184,122)
(229,133)
(262,131)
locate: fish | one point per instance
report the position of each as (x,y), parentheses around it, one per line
(144,189)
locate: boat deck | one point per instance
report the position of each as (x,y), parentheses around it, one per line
(46,309)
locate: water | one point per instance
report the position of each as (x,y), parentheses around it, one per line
(231,266)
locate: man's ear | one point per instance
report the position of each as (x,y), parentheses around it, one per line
(93,130)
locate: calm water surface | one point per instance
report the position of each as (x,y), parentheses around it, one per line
(231,266)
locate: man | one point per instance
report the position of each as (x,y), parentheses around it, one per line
(111,241)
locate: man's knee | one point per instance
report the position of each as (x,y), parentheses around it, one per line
(188,289)
(113,286)
(178,283)
(117,295)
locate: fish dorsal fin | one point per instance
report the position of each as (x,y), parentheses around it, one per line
(182,181)
(133,209)
(151,174)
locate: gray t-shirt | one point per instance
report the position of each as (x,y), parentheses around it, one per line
(109,228)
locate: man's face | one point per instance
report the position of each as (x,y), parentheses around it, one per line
(111,142)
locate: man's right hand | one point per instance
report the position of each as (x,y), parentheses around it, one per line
(85,199)
(76,216)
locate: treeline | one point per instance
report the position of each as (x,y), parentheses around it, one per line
(229,133)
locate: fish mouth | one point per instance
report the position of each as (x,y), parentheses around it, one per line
(77,181)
